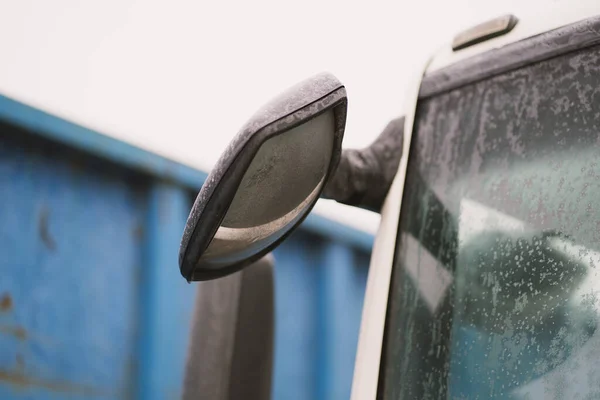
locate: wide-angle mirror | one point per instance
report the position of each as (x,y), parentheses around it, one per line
(266,181)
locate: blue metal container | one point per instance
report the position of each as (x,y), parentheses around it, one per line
(92,304)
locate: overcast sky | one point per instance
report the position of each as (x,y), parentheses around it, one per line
(180,77)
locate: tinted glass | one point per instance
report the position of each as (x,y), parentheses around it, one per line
(495,292)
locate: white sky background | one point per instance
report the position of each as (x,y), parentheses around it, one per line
(180,77)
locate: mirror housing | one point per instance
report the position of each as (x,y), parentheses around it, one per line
(266,181)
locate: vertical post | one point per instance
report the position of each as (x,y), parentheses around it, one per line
(167,300)
(340,305)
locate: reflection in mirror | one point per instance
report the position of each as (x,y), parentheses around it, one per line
(279,187)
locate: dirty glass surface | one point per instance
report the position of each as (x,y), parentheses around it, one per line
(495,292)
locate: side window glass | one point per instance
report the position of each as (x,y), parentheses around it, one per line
(496,285)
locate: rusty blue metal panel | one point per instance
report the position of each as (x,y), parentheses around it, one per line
(91,301)
(40,123)
(342,280)
(296,328)
(167,298)
(319,288)
(69,263)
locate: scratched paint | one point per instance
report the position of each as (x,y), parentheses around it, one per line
(17,331)
(19,381)
(5,303)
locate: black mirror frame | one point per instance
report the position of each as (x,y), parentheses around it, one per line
(293,108)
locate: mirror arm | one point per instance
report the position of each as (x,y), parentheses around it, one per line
(363,177)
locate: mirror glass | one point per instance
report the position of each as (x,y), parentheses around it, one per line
(280,186)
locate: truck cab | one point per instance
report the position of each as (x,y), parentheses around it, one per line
(483,281)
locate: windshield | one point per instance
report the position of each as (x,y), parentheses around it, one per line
(495,292)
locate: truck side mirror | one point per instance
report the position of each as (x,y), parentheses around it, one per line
(267,180)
